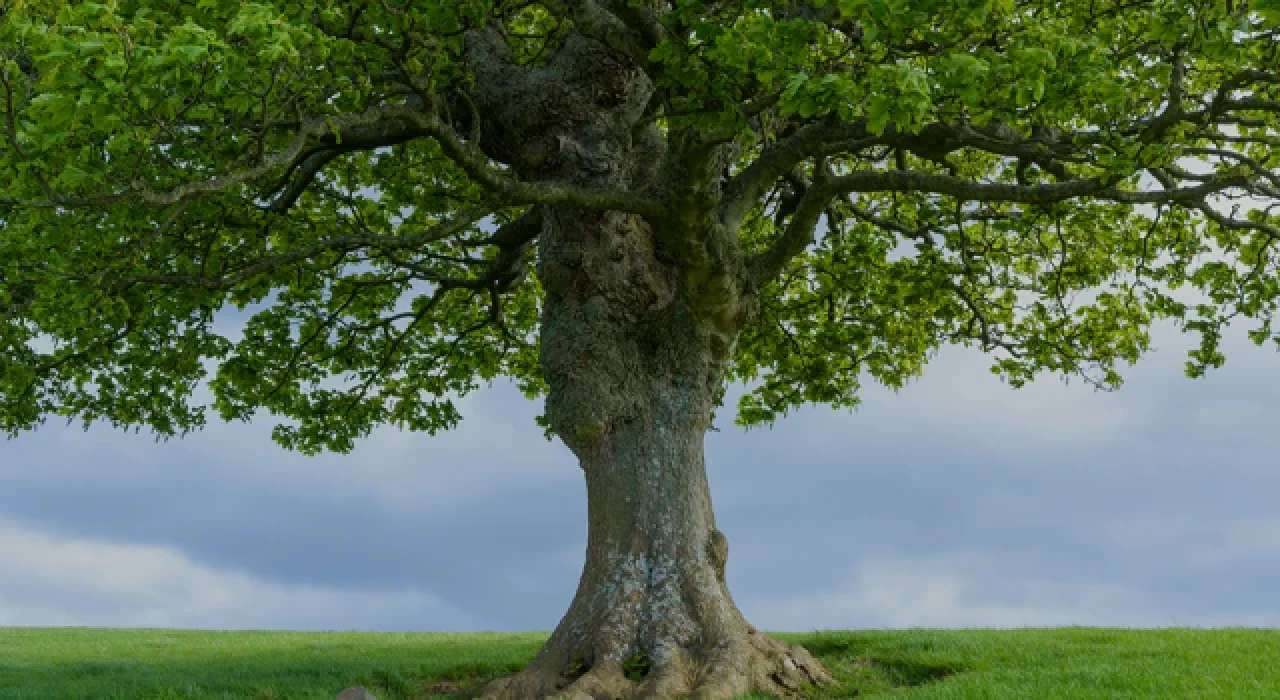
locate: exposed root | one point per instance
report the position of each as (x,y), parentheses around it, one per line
(532,682)
(675,677)
(759,664)
(606,680)
(753,663)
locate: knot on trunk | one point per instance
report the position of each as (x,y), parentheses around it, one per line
(718,551)
(569,118)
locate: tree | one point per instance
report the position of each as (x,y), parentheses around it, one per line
(623,205)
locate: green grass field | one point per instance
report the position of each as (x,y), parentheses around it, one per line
(102,664)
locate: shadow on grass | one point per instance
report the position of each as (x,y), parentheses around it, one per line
(860,671)
(911,673)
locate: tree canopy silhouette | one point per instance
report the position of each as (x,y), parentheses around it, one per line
(623,205)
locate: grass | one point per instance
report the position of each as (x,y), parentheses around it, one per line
(1074,662)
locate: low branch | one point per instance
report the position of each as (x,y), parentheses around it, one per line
(266,264)
(378,126)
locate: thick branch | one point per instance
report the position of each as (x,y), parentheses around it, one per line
(519,232)
(746,188)
(1049,149)
(642,20)
(795,238)
(355,137)
(630,31)
(468,156)
(379,126)
(799,233)
(960,188)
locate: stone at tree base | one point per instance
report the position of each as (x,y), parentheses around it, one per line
(356,693)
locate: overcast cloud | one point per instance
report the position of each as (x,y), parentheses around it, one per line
(956,502)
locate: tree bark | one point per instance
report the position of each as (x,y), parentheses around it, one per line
(634,373)
(637,331)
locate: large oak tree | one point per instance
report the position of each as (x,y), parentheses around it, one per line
(622,204)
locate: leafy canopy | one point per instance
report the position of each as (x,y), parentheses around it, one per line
(1037,178)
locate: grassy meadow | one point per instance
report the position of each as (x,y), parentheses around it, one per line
(1074,662)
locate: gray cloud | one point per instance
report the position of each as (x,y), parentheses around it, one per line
(79,581)
(955,502)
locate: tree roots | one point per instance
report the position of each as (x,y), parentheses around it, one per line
(752,663)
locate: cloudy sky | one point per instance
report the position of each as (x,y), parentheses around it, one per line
(956,502)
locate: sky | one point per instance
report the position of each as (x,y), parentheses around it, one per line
(957,502)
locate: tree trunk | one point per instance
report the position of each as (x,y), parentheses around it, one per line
(634,374)
(636,333)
